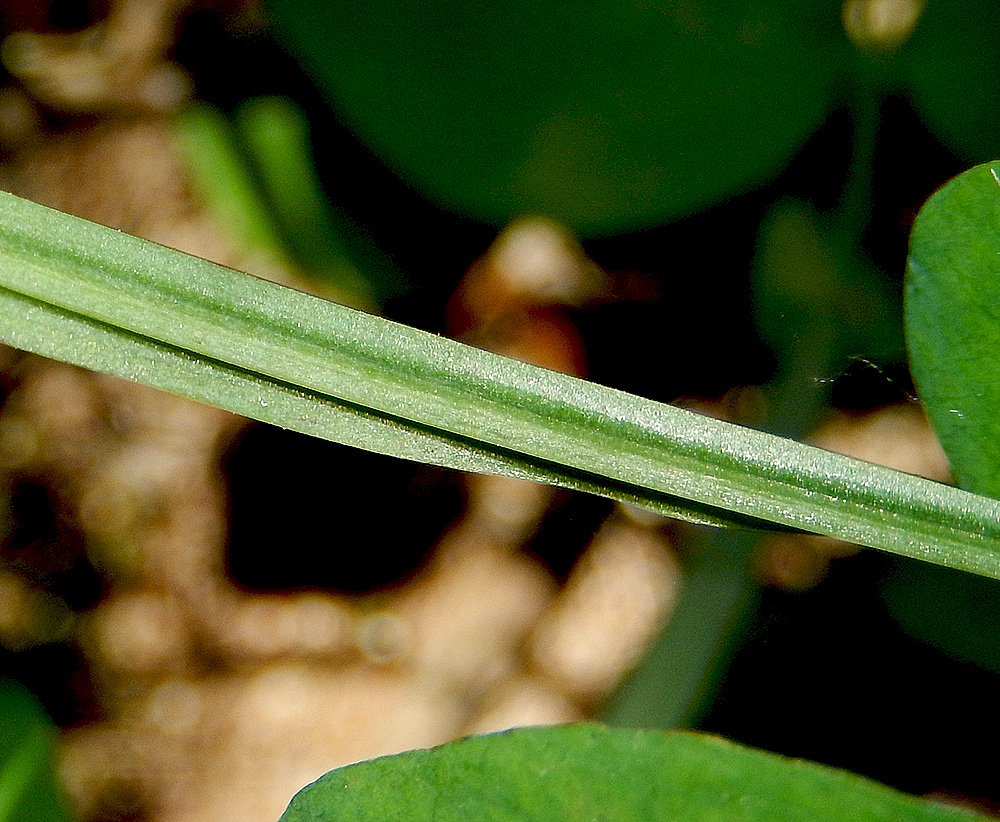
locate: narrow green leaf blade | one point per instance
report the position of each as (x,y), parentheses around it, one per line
(583,772)
(83,293)
(59,334)
(953,322)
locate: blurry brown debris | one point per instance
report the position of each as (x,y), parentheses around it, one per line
(533,263)
(123,173)
(897,436)
(236,747)
(118,63)
(514,299)
(471,612)
(619,595)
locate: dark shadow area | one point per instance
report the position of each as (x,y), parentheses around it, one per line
(307,513)
(828,675)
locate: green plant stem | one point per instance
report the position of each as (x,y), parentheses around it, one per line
(676,680)
(853,212)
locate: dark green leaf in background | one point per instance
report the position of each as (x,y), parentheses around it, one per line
(954,612)
(952,73)
(609,116)
(588,772)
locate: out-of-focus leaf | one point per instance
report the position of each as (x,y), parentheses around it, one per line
(807,280)
(953,322)
(584,772)
(222,179)
(608,116)
(28,789)
(319,236)
(956,613)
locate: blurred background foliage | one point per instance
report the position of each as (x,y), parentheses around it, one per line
(704,203)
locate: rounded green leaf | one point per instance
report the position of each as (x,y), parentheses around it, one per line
(585,772)
(953,322)
(606,115)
